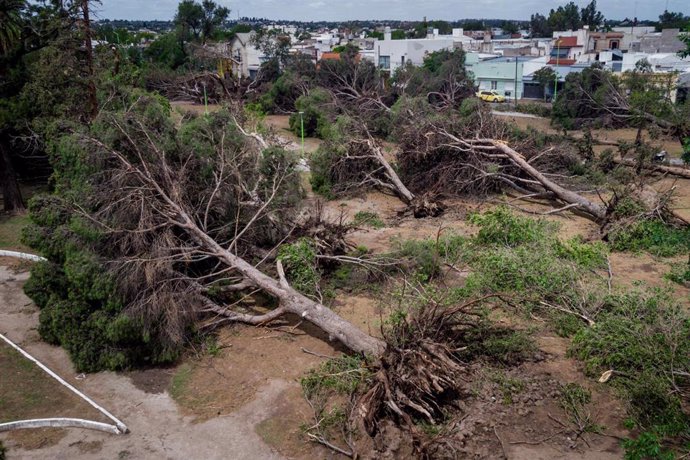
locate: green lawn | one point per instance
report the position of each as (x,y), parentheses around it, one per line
(11,232)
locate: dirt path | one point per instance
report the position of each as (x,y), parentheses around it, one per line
(158,429)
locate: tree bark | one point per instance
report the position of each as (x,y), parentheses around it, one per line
(676,171)
(11,194)
(290,300)
(566,195)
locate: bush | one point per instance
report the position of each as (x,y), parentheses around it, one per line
(314,115)
(652,236)
(643,337)
(370,219)
(299,260)
(503,227)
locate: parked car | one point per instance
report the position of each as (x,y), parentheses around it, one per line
(491,96)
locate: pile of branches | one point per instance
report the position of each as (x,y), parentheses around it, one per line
(198,87)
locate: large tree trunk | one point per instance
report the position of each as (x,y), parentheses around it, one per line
(291,301)
(674,170)
(11,194)
(566,195)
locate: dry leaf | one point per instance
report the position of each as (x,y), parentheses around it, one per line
(606,376)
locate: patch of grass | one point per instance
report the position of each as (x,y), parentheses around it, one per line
(680,273)
(11,230)
(575,400)
(652,236)
(341,375)
(180,382)
(587,255)
(508,386)
(426,257)
(368,219)
(28,392)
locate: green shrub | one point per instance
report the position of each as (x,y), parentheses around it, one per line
(299,261)
(502,227)
(369,219)
(588,255)
(643,337)
(653,236)
(680,273)
(314,116)
(647,446)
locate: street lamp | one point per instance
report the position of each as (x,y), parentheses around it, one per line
(301,124)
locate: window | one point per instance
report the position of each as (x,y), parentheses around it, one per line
(385,62)
(402,61)
(494,84)
(615,44)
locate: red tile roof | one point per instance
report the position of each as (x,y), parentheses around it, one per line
(561,62)
(334,56)
(565,42)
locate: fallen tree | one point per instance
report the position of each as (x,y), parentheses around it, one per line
(352,159)
(654,167)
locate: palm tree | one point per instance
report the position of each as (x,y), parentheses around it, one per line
(10,23)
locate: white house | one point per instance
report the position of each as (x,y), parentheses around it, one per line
(392,54)
(249,58)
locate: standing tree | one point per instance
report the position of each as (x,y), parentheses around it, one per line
(214,16)
(539,26)
(591,17)
(10,31)
(546,77)
(189,19)
(565,17)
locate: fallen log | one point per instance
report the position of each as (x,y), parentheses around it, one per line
(673,170)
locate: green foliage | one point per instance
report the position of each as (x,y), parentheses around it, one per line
(652,236)
(314,115)
(500,226)
(498,345)
(685,156)
(574,401)
(642,336)
(3,451)
(342,375)
(647,446)
(680,273)
(369,219)
(299,262)
(425,257)
(588,255)
(167,50)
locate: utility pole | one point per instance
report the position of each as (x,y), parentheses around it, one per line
(555,83)
(516,77)
(301,123)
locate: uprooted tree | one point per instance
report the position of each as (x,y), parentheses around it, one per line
(182,218)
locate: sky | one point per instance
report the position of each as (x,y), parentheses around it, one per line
(342,10)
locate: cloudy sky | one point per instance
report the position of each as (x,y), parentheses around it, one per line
(339,10)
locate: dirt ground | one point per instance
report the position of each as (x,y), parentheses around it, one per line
(244,400)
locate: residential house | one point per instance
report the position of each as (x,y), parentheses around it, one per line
(392,54)
(666,41)
(502,74)
(248,57)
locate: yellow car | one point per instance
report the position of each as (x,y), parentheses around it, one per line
(491,96)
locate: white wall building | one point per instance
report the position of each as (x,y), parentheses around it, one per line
(248,56)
